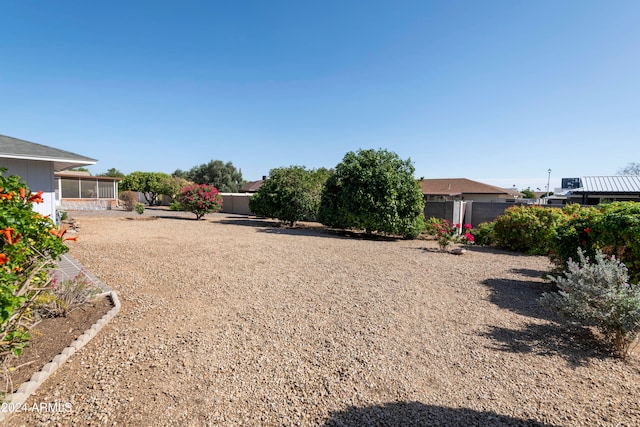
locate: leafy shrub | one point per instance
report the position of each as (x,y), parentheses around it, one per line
(599,294)
(30,244)
(139,208)
(66,296)
(373,191)
(527,229)
(290,194)
(613,228)
(129,199)
(175,206)
(200,199)
(484,234)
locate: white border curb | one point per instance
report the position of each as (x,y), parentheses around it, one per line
(26,389)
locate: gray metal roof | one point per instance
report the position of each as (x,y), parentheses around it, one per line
(610,184)
(14,148)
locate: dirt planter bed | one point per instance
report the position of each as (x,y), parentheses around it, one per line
(232,321)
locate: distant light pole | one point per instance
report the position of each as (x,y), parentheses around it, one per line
(548,181)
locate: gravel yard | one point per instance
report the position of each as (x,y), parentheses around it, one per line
(233,321)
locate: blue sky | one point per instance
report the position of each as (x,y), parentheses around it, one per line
(496,91)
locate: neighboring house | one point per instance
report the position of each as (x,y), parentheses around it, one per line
(252,186)
(592,190)
(80,191)
(36,164)
(447,189)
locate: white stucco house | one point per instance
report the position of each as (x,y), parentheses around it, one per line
(37,164)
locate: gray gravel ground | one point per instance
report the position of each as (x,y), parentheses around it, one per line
(232,321)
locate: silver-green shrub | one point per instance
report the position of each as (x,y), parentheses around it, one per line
(598,293)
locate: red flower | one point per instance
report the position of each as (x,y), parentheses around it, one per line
(587,230)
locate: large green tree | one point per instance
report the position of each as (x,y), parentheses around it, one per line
(223,176)
(113,172)
(373,191)
(151,184)
(290,194)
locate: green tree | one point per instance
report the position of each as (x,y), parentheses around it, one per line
(151,184)
(528,194)
(113,173)
(80,169)
(373,191)
(171,186)
(290,194)
(224,176)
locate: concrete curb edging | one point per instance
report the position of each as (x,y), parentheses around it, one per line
(26,389)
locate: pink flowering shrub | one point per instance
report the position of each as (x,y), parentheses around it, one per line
(200,199)
(447,233)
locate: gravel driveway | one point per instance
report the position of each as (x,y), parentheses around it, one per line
(232,321)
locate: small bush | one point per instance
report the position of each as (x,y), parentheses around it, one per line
(139,208)
(200,199)
(129,200)
(447,233)
(599,294)
(66,296)
(484,234)
(527,229)
(175,206)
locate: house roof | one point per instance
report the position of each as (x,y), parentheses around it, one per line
(84,175)
(251,186)
(458,186)
(609,184)
(14,148)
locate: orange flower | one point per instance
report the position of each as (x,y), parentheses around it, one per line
(22,191)
(36,198)
(6,196)
(61,233)
(8,235)
(3,258)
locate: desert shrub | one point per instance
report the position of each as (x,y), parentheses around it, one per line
(597,292)
(66,296)
(129,199)
(30,244)
(484,234)
(527,229)
(290,194)
(139,208)
(373,191)
(200,199)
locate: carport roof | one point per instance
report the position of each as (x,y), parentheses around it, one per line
(609,184)
(14,148)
